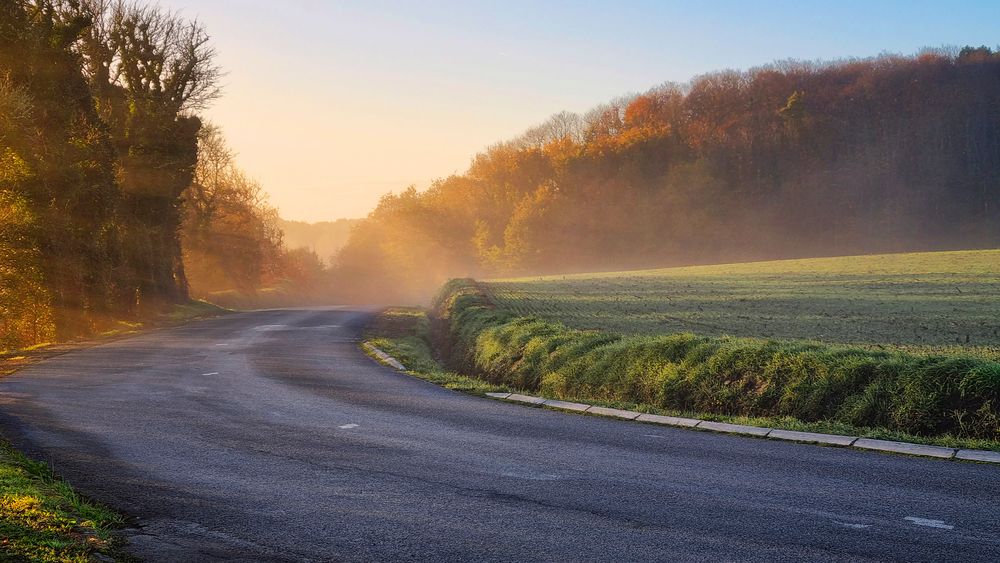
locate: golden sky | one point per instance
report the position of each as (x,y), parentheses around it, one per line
(331,104)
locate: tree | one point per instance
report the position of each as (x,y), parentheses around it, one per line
(149,69)
(231,238)
(58,167)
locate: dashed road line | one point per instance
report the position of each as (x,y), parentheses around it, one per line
(853,525)
(927,522)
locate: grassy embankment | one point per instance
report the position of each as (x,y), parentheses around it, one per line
(405,334)
(41,517)
(881,361)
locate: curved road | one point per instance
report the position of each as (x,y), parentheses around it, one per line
(269,436)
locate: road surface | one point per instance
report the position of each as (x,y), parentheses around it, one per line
(268,436)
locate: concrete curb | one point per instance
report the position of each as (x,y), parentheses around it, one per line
(578,407)
(728,428)
(525,399)
(603,411)
(978,455)
(813,438)
(906,448)
(669,420)
(385,358)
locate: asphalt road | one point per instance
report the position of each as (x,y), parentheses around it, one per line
(270,436)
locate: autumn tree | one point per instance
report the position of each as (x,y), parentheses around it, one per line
(230,235)
(791,159)
(58,193)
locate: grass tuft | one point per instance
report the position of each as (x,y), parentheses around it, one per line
(43,519)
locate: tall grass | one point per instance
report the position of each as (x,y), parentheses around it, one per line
(917,394)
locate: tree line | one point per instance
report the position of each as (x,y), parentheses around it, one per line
(792,159)
(233,241)
(110,183)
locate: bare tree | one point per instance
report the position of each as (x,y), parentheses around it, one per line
(562,125)
(150,54)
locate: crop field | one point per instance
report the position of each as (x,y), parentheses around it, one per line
(933,301)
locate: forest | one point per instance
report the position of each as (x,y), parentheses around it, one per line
(793,159)
(116,199)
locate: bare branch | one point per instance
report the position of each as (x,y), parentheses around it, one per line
(153,55)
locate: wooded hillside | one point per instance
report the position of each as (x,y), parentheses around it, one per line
(792,159)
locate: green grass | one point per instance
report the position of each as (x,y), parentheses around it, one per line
(512,336)
(923,303)
(405,334)
(43,519)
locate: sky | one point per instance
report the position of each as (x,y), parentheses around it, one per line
(332,104)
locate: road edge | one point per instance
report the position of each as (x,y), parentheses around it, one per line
(382,358)
(834,440)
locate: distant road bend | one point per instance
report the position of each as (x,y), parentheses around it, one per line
(268,436)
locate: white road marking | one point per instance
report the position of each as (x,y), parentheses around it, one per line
(268,328)
(211,373)
(347,426)
(222,344)
(853,525)
(652,435)
(929,523)
(532,476)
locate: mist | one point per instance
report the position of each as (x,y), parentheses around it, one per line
(789,160)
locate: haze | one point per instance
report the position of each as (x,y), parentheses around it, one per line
(547,282)
(331,105)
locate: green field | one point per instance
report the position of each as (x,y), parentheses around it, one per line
(904,343)
(935,301)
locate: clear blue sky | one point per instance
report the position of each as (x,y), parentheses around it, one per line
(330,104)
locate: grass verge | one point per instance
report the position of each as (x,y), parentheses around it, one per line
(407,335)
(404,333)
(43,519)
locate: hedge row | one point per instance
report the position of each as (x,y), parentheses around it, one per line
(723,375)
